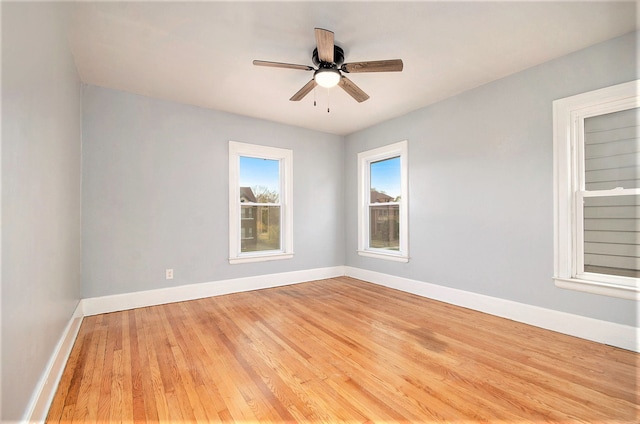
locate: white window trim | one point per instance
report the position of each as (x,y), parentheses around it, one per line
(285,156)
(568,124)
(364,160)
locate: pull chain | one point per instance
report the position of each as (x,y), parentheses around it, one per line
(328,100)
(314,96)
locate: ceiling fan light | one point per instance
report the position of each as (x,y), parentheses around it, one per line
(327,77)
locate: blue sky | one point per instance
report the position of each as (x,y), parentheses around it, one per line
(260,172)
(385,176)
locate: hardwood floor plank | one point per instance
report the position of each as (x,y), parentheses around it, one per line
(138,408)
(93,400)
(337,350)
(152,381)
(287,377)
(349,364)
(104,397)
(306,314)
(226,376)
(127,372)
(514,357)
(271,408)
(171,382)
(82,363)
(186,393)
(58,404)
(141,370)
(200,364)
(357,358)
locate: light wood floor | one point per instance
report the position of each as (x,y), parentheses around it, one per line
(337,350)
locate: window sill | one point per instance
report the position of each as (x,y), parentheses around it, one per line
(382,255)
(260,258)
(595,287)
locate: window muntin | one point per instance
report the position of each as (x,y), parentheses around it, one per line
(597,158)
(382,207)
(260,207)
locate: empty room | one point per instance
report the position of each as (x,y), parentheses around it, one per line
(341,211)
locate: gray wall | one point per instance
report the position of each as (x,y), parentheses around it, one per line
(155,193)
(481,184)
(40,194)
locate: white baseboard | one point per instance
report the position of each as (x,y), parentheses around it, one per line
(45,390)
(613,334)
(619,335)
(121,302)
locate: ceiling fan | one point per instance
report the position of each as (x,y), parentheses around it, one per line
(329,60)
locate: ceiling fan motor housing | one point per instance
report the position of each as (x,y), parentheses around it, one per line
(338,58)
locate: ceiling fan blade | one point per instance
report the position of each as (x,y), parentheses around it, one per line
(352,89)
(304,91)
(393,65)
(324,41)
(282,65)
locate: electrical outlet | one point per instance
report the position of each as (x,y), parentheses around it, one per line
(168,273)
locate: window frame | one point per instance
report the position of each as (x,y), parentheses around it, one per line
(399,149)
(569,189)
(285,157)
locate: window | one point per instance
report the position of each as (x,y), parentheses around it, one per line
(383,203)
(260,203)
(597,191)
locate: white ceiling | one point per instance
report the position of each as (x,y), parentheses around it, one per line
(201,53)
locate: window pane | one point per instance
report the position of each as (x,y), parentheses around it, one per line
(262,230)
(612,235)
(612,150)
(259,180)
(259,183)
(384,227)
(385,180)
